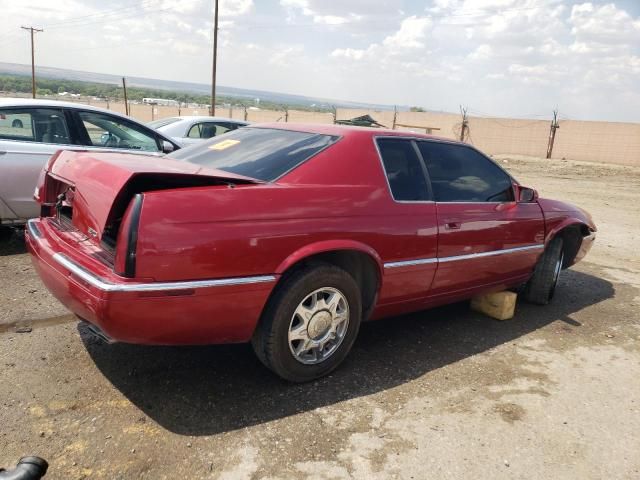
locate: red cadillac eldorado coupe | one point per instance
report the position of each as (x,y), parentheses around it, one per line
(289,236)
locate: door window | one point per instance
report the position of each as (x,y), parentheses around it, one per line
(461,174)
(44,125)
(112,132)
(206,130)
(403,169)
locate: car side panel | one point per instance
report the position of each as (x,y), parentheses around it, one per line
(20,167)
(469,254)
(255,229)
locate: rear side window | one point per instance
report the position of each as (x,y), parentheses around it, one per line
(461,174)
(403,169)
(43,125)
(113,132)
(262,153)
(206,130)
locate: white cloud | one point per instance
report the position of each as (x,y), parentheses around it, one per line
(234,8)
(351,53)
(412,33)
(483,52)
(438,53)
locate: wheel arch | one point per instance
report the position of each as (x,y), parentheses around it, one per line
(572,232)
(358,259)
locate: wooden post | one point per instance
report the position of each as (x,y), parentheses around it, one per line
(215,59)
(33,59)
(552,133)
(126,103)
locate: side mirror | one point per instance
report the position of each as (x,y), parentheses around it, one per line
(527,195)
(167,147)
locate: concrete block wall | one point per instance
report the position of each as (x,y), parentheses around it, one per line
(608,142)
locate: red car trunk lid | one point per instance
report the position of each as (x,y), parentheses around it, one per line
(96,188)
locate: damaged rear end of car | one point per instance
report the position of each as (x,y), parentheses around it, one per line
(95,219)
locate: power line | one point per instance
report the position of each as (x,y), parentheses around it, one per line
(101,14)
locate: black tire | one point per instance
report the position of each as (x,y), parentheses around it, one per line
(271,338)
(542,285)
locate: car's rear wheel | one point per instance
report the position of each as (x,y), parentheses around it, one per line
(542,285)
(310,323)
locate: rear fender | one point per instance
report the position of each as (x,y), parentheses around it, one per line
(330,246)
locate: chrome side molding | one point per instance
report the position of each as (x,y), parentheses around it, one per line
(422,261)
(106,286)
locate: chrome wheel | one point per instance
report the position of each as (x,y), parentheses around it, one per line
(318,325)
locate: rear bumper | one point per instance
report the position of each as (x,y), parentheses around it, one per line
(162,313)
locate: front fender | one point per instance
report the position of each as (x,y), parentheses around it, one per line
(330,246)
(560,215)
(557,226)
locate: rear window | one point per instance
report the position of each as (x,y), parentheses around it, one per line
(262,153)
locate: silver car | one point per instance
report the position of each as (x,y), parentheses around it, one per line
(33,130)
(187,130)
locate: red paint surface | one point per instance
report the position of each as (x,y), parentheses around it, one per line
(338,200)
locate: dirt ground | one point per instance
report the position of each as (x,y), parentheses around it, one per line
(446,393)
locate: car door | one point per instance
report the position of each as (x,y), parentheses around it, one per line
(485,237)
(410,254)
(100,130)
(28,137)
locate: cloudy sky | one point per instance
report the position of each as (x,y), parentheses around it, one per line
(498,57)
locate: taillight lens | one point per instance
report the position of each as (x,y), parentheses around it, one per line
(127,240)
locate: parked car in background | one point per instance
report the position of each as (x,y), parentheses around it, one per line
(33,130)
(187,130)
(289,236)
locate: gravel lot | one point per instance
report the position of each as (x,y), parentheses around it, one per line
(446,393)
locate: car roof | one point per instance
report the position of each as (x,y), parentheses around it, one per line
(210,119)
(38,102)
(348,130)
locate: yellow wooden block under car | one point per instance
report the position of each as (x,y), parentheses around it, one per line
(500,305)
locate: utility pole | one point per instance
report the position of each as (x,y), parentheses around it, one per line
(552,133)
(33,63)
(215,59)
(395,117)
(126,103)
(465,123)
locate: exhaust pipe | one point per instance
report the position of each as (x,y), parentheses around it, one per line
(96,332)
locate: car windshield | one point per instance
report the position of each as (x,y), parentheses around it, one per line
(261,153)
(163,122)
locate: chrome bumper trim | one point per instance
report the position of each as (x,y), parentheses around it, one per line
(34,231)
(101,284)
(422,261)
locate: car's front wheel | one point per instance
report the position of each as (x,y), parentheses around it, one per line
(310,323)
(542,285)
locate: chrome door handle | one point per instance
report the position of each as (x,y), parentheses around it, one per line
(452,226)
